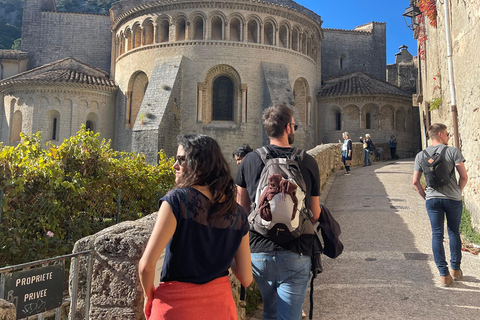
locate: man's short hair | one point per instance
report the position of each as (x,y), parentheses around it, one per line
(275,119)
(242,151)
(434,129)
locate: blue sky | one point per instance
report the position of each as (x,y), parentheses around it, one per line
(347,14)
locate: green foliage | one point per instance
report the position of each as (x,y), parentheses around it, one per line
(466,228)
(71,191)
(435,103)
(253,298)
(8,34)
(17,44)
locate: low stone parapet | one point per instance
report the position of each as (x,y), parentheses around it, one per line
(7,310)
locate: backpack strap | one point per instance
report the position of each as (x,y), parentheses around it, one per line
(264,153)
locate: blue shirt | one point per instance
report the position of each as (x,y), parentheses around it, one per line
(200,250)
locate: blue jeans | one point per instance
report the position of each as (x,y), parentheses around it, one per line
(282,277)
(366,157)
(437,208)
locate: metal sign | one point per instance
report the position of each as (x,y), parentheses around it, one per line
(35,291)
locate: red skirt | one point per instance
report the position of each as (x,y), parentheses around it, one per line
(188,301)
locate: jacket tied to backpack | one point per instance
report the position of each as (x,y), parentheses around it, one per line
(279,211)
(281,187)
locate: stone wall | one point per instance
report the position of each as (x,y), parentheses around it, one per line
(71,107)
(7,310)
(49,36)
(435,83)
(362,49)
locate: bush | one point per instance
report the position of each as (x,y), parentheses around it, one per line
(56,195)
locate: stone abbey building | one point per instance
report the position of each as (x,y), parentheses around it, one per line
(153,69)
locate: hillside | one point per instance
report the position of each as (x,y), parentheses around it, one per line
(11,16)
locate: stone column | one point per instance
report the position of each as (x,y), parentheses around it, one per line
(244,102)
(200,101)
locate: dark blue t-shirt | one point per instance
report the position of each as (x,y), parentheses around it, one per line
(200,250)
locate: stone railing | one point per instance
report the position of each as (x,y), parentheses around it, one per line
(329,158)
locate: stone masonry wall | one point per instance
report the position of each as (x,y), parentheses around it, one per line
(465,41)
(363,50)
(51,36)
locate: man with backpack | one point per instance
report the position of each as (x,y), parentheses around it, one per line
(443,196)
(281,248)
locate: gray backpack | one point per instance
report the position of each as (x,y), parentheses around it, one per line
(279,212)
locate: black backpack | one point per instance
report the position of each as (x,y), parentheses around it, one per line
(279,212)
(435,169)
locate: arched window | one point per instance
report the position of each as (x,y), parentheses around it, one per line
(163,30)
(129,36)
(342,61)
(217,28)
(89,125)
(235,30)
(222,99)
(252,31)
(54,129)
(368,124)
(180,28)
(283,36)
(17,126)
(198,28)
(137,41)
(338,121)
(269,34)
(148,32)
(295,39)
(137,86)
(301,94)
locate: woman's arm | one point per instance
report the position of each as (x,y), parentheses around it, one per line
(162,233)
(242,264)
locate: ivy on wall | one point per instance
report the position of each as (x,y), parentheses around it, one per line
(429,9)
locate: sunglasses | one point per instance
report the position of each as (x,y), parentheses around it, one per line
(180,159)
(295,126)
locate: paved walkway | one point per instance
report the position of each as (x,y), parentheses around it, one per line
(386,270)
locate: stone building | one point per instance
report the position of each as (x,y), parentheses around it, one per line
(153,69)
(437,87)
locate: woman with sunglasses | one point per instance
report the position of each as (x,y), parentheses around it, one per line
(204,233)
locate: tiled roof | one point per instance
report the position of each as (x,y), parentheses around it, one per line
(67,71)
(66,75)
(13,54)
(359,83)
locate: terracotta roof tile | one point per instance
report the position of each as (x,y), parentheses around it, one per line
(66,71)
(359,83)
(13,54)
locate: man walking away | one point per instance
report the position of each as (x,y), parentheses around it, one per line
(281,271)
(443,196)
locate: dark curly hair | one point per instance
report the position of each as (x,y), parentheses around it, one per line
(206,166)
(242,151)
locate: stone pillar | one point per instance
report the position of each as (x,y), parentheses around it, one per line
(200,101)
(244,102)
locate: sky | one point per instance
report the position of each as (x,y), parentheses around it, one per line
(348,14)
